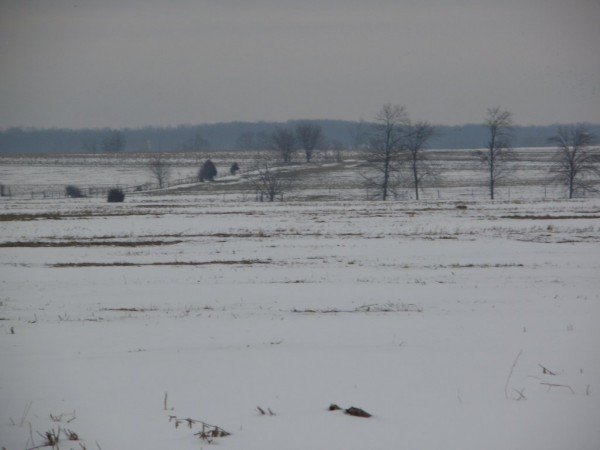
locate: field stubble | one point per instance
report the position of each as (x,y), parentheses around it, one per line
(470,321)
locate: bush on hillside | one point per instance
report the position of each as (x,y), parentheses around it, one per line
(208,172)
(73,191)
(116,195)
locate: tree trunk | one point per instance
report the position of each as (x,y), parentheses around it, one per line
(416,179)
(571,186)
(492,180)
(386,177)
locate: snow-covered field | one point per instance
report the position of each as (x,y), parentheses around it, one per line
(456,328)
(460,175)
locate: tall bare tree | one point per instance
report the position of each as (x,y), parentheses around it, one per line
(574,164)
(310,137)
(498,150)
(270,182)
(284,141)
(160,169)
(383,157)
(417,136)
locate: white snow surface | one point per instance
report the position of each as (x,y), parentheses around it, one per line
(438,321)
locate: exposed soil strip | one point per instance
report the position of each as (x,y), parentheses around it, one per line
(241,262)
(58,216)
(363,309)
(549,217)
(38,244)
(23,217)
(129,309)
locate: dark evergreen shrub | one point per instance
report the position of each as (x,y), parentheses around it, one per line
(208,172)
(116,195)
(73,191)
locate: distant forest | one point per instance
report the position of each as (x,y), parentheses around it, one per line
(239,135)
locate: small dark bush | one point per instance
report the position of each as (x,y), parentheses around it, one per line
(73,192)
(234,168)
(208,172)
(116,195)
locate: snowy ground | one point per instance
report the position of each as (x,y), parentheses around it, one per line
(460,175)
(470,328)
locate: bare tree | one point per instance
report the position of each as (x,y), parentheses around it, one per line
(160,169)
(337,147)
(416,138)
(271,182)
(383,157)
(113,142)
(498,151)
(574,163)
(310,137)
(284,141)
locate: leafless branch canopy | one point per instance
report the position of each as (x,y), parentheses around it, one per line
(310,137)
(417,136)
(160,168)
(499,124)
(383,157)
(284,141)
(271,182)
(575,164)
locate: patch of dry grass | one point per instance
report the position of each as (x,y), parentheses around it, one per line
(240,262)
(549,217)
(38,244)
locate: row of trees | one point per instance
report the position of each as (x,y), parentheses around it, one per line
(574,164)
(112,142)
(397,145)
(287,141)
(396,155)
(306,136)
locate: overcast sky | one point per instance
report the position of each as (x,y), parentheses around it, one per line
(130,63)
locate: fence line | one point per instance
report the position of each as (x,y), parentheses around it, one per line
(538,191)
(96,190)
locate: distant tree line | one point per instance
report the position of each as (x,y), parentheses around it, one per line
(333,134)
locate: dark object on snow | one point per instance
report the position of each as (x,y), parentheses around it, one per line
(352,411)
(461,206)
(208,172)
(235,168)
(116,195)
(73,191)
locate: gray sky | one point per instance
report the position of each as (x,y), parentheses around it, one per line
(129,63)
